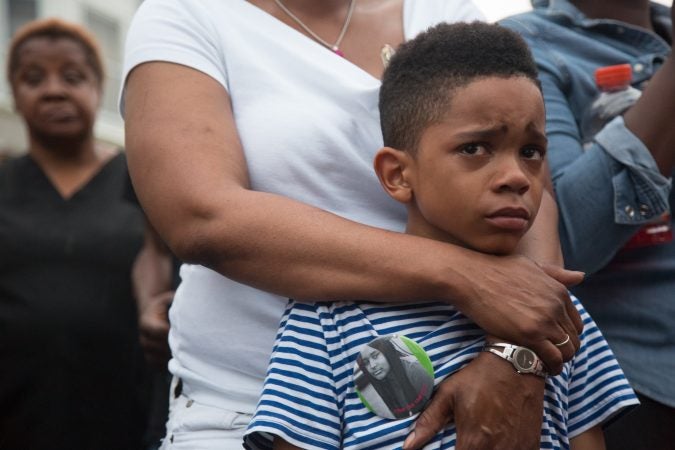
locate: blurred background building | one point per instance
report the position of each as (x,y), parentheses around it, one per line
(109,20)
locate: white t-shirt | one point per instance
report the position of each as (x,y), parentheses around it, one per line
(309,125)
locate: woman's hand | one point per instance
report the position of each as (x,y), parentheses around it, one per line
(525,303)
(492,405)
(151,278)
(153,325)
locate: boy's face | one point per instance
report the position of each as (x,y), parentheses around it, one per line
(478,175)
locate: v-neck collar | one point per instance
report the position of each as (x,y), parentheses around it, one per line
(85,186)
(309,42)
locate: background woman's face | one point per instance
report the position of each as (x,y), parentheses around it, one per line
(55,89)
(375,362)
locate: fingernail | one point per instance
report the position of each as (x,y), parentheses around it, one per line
(408,441)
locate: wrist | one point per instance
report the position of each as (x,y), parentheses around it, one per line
(491,339)
(523,359)
(458,285)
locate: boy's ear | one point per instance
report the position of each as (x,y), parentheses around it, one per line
(392,169)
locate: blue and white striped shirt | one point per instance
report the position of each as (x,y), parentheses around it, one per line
(309,397)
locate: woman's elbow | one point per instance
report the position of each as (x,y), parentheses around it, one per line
(192,235)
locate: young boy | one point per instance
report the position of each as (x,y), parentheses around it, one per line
(463,122)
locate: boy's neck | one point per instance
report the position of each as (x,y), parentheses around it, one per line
(420,228)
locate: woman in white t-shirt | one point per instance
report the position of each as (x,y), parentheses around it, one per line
(251,127)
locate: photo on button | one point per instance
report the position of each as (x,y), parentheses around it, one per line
(393,377)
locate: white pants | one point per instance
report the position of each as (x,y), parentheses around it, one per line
(194,426)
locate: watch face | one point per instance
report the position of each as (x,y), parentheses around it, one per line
(524,359)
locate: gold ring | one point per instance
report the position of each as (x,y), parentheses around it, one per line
(567,339)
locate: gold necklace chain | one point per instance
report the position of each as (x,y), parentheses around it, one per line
(334,47)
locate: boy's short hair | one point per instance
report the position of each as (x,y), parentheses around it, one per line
(52,28)
(423,74)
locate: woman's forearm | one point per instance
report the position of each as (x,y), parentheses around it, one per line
(190,174)
(651,118)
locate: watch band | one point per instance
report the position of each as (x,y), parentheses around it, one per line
(523,359)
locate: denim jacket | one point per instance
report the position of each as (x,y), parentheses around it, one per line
(608,189)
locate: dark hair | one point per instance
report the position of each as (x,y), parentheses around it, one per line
(55,29)
(418,84)
(396,389)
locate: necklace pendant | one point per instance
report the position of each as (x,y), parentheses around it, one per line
(338,52)
(386,53)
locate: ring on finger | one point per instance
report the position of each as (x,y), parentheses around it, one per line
(565,341)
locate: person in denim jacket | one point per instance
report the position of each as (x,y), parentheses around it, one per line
(611,188)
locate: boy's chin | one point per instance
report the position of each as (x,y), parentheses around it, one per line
(498,247)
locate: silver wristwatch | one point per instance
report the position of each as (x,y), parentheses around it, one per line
(522,358)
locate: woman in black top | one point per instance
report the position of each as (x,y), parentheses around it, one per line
(71,367)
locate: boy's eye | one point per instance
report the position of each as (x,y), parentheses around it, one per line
(534,153)
(473,149)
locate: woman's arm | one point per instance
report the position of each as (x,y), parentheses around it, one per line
(651,118)
(151,277)
(598,187)
(190,174)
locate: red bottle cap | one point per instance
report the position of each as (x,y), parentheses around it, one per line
(613,77)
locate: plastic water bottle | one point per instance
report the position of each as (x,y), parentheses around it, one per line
(616,96)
